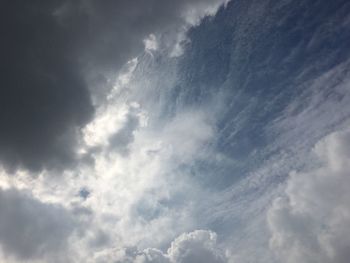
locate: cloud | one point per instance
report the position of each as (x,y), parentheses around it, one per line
(137,190)
(132,255)
(147,187)
(199,246)
(30,229)
(59,56)
(121,140)
(311,222)
(43,99)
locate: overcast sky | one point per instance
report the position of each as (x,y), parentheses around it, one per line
(187,131)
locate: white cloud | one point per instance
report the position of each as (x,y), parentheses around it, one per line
(198,246)
(311,223)
(113,114)
(151,43)
(131,255)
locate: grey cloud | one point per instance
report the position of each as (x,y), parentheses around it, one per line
(311,223)
(52,53)
(30,229)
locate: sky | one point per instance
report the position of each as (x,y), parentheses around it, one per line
(187,131)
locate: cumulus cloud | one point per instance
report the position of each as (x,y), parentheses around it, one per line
(30,229)
(311,222)
(199,246)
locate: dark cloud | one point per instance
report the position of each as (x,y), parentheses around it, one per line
(31,229)
(43,97)
(52,54)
